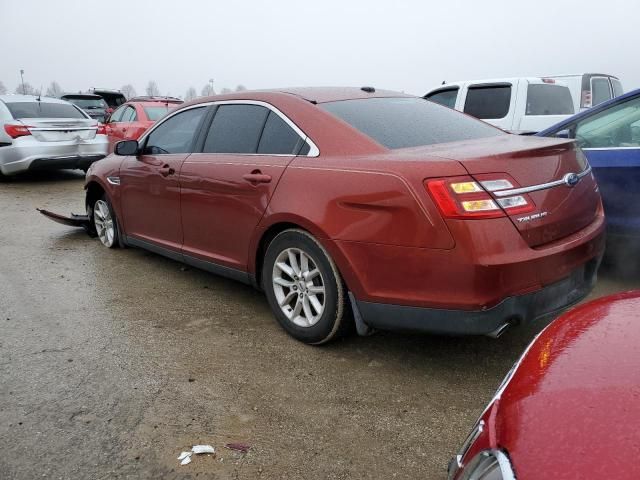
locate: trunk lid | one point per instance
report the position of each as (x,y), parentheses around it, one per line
(61,129)
(561,207)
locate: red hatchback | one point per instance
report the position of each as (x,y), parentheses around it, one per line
(131,119)
(569,408)
(340,201)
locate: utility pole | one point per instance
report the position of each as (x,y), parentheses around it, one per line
(22,78)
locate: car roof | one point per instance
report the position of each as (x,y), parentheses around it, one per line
(310,94)
(15,98)
(591,111)
(81,95)
(489,81)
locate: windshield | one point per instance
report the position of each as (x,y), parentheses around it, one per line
(548,99)
(43,110)
(154,113)
(87,102)
(409,122)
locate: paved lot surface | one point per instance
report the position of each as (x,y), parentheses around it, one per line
(113,362)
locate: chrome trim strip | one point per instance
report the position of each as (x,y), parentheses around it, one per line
(542,186)
(61,129)
(611,148)
(314,151)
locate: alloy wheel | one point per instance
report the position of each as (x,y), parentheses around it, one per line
(104,223)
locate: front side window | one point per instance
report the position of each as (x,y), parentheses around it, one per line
(617,126)
(488,102)
(444,97)
(600,90)
(129,115)
(548,99)
(401,122)
(278,138)
(43,110)
(236,128)
(176,134)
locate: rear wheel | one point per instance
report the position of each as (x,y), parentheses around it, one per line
(104,222)
(304,288)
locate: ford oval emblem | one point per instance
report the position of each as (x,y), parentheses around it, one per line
(571,179)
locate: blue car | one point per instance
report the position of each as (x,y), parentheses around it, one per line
(609,135)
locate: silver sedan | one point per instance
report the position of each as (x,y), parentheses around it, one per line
(47,133)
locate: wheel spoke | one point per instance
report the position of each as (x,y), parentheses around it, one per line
(281,281)
(287,298)
(307,309)
(286,269)
(315,303)
(296,309)
(293,261)
(312,274)
(316,289)
(304,263)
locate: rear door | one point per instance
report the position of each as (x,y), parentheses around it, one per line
(149,183)
(611,141)
(114,127)
(227,187)
(492,102)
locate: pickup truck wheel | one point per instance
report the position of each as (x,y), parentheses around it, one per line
(304,288)
(105,224)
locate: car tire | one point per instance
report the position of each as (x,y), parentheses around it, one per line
(103,221)
(304,288)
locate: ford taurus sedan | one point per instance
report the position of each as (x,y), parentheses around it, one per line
(358,206)
(569,407)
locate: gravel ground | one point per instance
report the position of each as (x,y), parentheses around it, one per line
(113,362)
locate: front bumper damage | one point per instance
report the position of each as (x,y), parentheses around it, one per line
(80,221)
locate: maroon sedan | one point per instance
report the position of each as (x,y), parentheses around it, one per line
(569,408)
(341,201)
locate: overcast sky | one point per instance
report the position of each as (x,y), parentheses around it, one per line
(401,45)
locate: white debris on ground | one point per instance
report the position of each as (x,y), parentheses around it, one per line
(185,457)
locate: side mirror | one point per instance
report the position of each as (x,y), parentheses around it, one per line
(127,148)
(566,133)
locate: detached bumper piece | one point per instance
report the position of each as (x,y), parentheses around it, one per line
(492,321)
(81,221)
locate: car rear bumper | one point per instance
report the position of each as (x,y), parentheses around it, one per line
(492,321)
(60,155)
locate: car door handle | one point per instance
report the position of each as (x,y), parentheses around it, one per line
(166,170)
(257,177)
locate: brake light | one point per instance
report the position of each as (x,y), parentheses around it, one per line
(466,198)
(548,80)
(102,129)
(16,130)
(586,99)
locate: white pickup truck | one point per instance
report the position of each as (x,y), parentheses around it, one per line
(517,105)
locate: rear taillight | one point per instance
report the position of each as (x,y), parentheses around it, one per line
(586,99)
(466,198)
(102,129)
(17,130)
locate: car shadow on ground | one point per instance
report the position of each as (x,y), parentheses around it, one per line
(44,176)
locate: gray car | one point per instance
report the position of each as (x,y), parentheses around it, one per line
(93,105)
(47,133)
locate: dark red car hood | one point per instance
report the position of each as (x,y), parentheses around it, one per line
(572,409)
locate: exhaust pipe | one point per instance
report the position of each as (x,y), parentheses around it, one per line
(500,330)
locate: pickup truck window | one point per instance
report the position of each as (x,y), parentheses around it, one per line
(488,101)
(549,99)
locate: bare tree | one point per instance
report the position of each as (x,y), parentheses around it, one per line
(240,88)
(25,89)
(128,91)
(54,89)
(191,94)
(152,89)
(3,89)
(225,90)
(208,90)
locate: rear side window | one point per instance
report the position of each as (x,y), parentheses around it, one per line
(43,110)
(548,99)
(444,97)
(176,134)
(278,138)
(236,129)
(154,113)
(491,101)
(617,87)
(408,122)
(600,90)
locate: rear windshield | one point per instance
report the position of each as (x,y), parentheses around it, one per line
(154,113)
(43,110)
(87,102)
(547,99)
(408,122)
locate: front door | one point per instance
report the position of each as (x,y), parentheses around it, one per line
(227,187)
(150,183)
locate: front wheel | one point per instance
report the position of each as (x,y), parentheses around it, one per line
(304,288)
(104,222)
